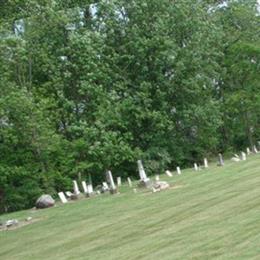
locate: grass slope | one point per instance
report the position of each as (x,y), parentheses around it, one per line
(212,214)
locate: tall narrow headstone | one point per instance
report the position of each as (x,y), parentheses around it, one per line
(220,160)
(129,181)
(119,183)
(168,173)
(90,188)
(206,165)
(142,173)
(84,186)
(144,181)
(243,156)
(248,151)
(255,149)
(62,197)
(111,182)
(76,188)
(196,167)
(178,170)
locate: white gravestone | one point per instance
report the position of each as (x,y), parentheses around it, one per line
(142,173)
(111,182)
(157,178)
(196,167)
(90,188)
(105,185)
(119,182)
(129,181)
(220,160)
(62,197)
(206,165)
(168,173)
(68,194)
(255,149)
(178,170)
(76,188)
(84,186)
(248,151)
(243,156)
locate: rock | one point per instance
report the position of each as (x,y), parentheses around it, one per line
(45,201)
(235,159)
(11,222)
(28,219)
(145,183)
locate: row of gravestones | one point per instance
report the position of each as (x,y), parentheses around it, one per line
(146,182)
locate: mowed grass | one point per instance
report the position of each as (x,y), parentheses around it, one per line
(211,214)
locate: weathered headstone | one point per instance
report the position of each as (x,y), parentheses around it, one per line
(119,182)
(68,194)
(243,156)
(105,185)
(129,182)
(45,201)
(255,149)
(85,187)
(109,176)
(206,165)
(76,188)
(157,178)
(248,151)
(196,167)
(168,173)
(144,181)
(90,188)
(220,160)
(62,197)
(235,159)
(178,170)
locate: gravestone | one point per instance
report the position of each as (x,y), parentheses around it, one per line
(168,173)
(84,186)
(206,165)
(129,182)
(69,194)
(243,156)
(76,188)
(220,160)
(157,178)
(90,188)
(196,167)
(144,181)
(105,185)
(119,183)
(110,180)
(255,149)
(62,197)
(178,170)
(235,159)
(248,151)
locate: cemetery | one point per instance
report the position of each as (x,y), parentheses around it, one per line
(172,219)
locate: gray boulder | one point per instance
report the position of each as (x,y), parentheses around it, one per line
(161,185)
(45,201)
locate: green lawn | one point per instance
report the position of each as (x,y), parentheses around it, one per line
(211,214)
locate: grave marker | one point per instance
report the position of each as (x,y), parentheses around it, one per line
(248,151)
(84,186)
(168,173)
(243,156)
(76,188)
(220,160)
(129,181)
(178,170)
(157,178)
(119,183)
(62,197)
(196,167)
(206,165)
(111,182)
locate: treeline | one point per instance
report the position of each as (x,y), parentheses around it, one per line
(90,86)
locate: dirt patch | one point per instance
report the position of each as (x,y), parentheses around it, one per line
(19,225)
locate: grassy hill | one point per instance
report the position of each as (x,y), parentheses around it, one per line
(211,214)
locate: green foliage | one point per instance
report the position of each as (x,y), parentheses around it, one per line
(85,91)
